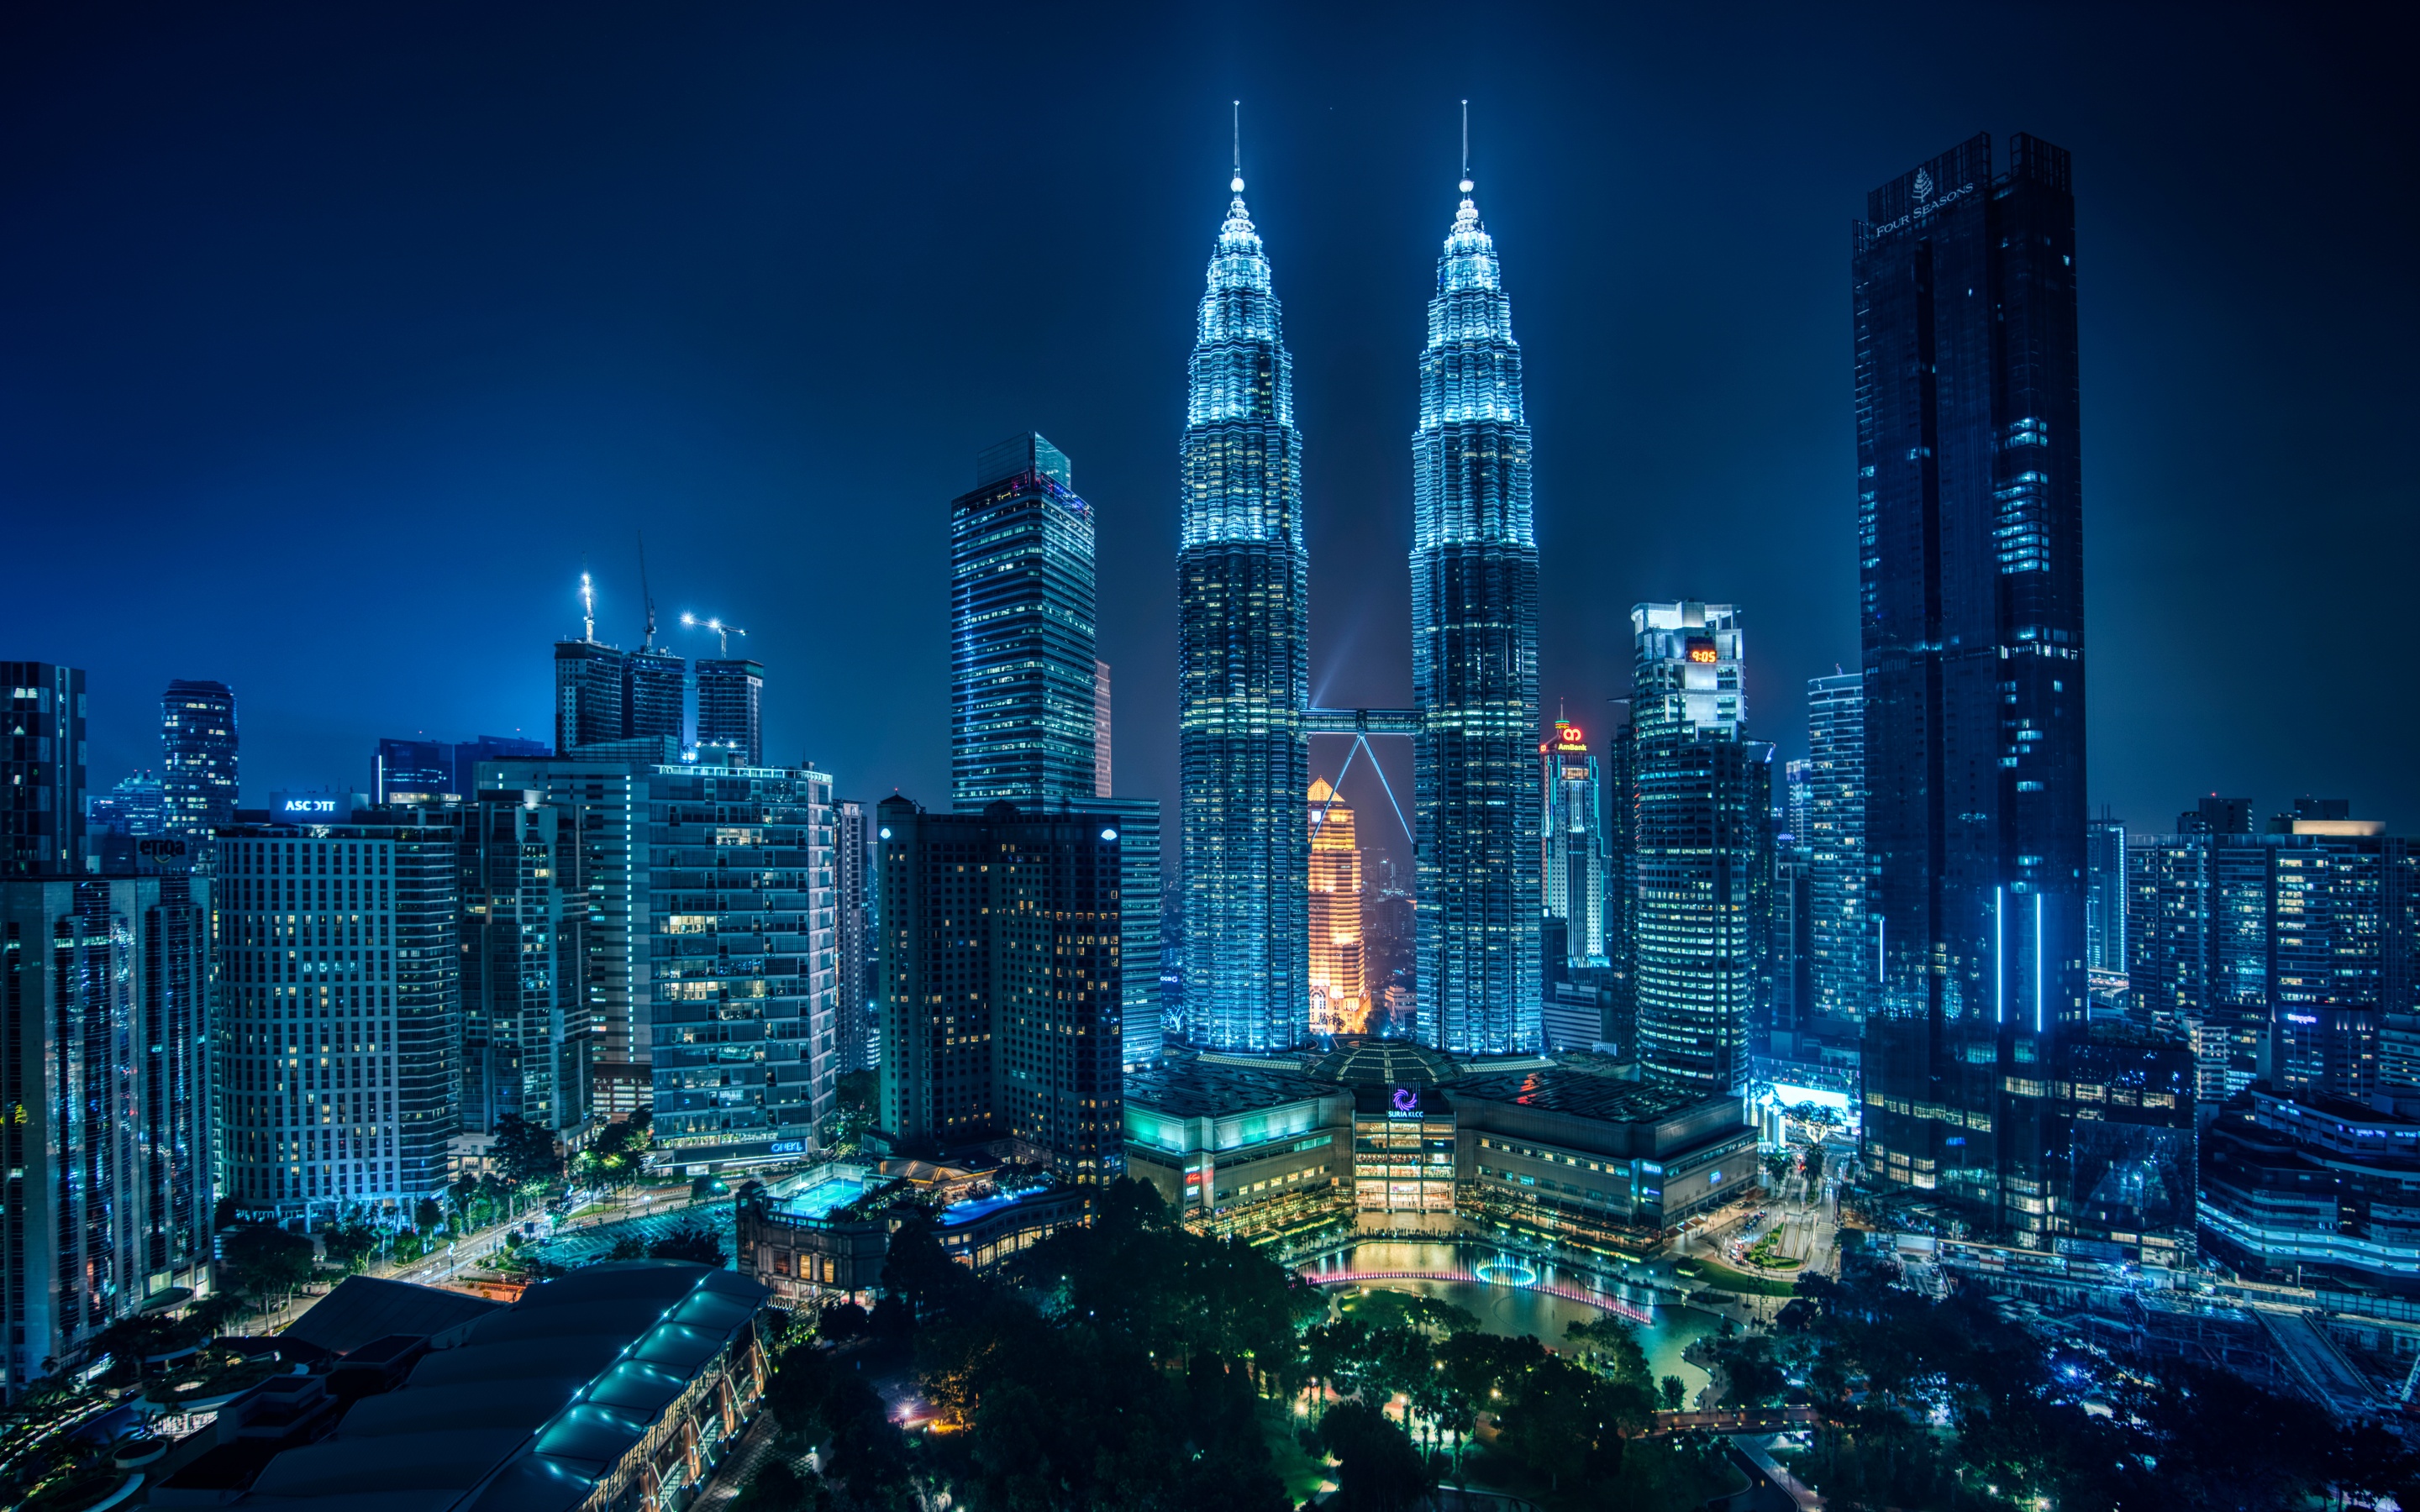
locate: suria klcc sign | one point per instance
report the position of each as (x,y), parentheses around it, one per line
(1404,1103)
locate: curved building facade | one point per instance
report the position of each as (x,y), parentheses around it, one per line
(1244,666)
(1475,665)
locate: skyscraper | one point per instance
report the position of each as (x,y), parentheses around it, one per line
(1243,583)
(587,694)
(106,1035)
(527,1045)
(853,906)
(1339,991)
(1841,954)
(42,771)
(2104,896)
(1101,788)
(1021,664)
(1969,480)
(1475,665)
(1701,847)
(731,708)
(1002,984)
(197,767)
(137,807)
(1575,881)
(655,694)
(1797,805)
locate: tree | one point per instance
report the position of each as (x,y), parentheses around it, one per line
(1672,1392)
(690,1241)
(267,1261)
(350,1243)
(524,1152)
(1377,1468)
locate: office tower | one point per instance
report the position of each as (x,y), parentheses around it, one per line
(588,694)
(1798,799)
(1621,985)
(340,994)
(1972,610)
(1339,991)
(1840,953)
(2215,816)
(197,769)
(1143,1008)
(743,960)
(1475,664)
(731,708)
(1243,584)
(1021,664)
(1794,1009)
(418,772)
(1575,877)
(2104,896)
(105,1036)
(610,787)
(1702,842)
(1002,985)
(853,908)
(524,941)
(414,772)
(1101,788)
(136,808)
(43,771)
(655,695)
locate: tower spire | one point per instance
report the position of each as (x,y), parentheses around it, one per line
(1237,186)
(1466,145)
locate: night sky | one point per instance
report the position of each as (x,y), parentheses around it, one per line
(338,338)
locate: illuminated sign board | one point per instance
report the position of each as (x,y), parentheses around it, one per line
(1701,650)
(310,808)
(1403,1103)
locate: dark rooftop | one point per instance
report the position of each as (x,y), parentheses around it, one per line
(1204,1090)
(1581,1094)
(362,1308)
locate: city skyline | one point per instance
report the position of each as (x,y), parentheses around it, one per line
(1347,200)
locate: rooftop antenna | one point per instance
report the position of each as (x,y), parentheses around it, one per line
(1465,146)
(1236,186)
(587,608)
(647,593)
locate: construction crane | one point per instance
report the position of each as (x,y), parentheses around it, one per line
(723,632)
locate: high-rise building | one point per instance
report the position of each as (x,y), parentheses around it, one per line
(743,962)
(655,695)
(1619,988)
(1021,663)
(2215,816)
(1840,953)
(1339,990)
(731,708)
(1243,583)
(136,808)
(1792,1002)
(418,772)
(587,694)
(105,1038)
(2105,902)
(1576,880)
(526,1026)
(1475,664)
(197,767)
(340,996)
(1701,838)
(42,771)
(1101,788)
(1969,487)
(853,907)
(1002,985)
(1798,799)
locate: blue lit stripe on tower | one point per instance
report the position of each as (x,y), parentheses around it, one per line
(1244,667)
(1475,665)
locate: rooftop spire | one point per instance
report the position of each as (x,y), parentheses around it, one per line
(1237,186)
(1465,146)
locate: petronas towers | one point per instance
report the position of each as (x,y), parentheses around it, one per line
(1243,708)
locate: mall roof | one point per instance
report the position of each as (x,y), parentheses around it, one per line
(1206,1089)
(1384,1062)
(1581,1094)
(535,1406)
(364,1308)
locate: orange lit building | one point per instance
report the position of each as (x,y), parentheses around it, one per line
(1340,993)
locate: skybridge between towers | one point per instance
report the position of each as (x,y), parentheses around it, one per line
(1362,724)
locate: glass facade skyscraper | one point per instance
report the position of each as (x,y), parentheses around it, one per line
(1969,487)
(42,774)
(588,692)
(197,752)
(1021,636)
(1243,583)
(1575,881)
(1701,847)
(1841,960)
(1475,665)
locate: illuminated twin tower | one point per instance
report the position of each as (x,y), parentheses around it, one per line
(1244,701)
